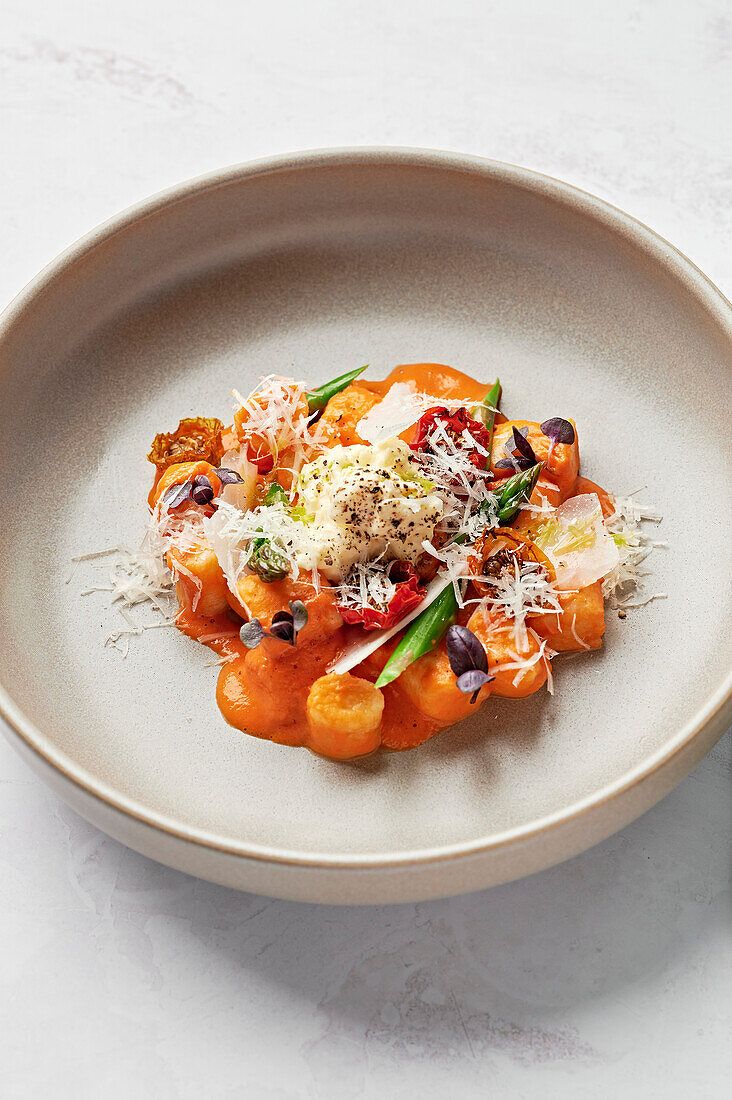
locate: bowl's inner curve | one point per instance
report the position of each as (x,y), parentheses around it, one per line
(311,274)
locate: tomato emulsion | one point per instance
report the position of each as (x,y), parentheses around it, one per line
(288,693)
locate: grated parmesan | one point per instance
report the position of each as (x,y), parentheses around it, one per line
(401,407)
(518,592)
(231,532)
(276,412)
(440,494)
(634,546)
(142,576)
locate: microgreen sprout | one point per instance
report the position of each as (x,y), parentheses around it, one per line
(228,477)
(285,626)
(202,491)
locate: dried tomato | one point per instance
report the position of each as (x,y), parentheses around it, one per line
(196,439)
(456,424)
(409,593)
(426,564)
(498,552)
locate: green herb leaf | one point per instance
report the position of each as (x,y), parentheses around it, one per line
(516,491)
(275,493)
(267,562)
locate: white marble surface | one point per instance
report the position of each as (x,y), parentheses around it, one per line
(606,976)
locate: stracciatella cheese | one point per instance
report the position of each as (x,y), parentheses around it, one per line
(361,502)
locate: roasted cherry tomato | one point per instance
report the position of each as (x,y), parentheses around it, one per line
(497,552)
(409,592)
(456,424)
(196,439)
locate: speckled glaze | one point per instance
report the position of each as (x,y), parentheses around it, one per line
(309,265)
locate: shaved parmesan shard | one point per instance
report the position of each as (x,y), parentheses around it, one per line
(224,539)
(577,543)
(360,648)
(241,495)
(399,409)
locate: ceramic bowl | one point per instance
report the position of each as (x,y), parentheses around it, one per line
(309,265)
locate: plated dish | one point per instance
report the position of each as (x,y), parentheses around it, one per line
(312,265)
(372,560)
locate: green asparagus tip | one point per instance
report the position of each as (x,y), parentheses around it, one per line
(485,412)
(320,397)
(422,635)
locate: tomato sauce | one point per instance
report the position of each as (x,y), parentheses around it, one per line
(264,691)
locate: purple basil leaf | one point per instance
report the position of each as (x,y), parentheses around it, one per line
(282,617)
(176,495)
(522,445)
(252,633)
(465,652)
(524,459)
(472,681)
(561,431)
(514,462)
(228,477)
(299,615)
(202,490)
(282,627)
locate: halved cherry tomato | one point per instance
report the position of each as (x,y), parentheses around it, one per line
(263,460)
(409,592)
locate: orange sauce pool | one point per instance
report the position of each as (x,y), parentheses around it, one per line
(264,691)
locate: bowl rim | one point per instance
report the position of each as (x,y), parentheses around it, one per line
(716,713)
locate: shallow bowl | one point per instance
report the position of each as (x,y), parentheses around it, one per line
(308,265)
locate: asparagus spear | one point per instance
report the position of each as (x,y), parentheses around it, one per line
(421,635)
(486,411)
(430,627)
(319,398)
(512,495)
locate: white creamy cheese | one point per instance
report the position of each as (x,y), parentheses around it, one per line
(361,502)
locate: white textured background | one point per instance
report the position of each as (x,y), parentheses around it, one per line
(608,976)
